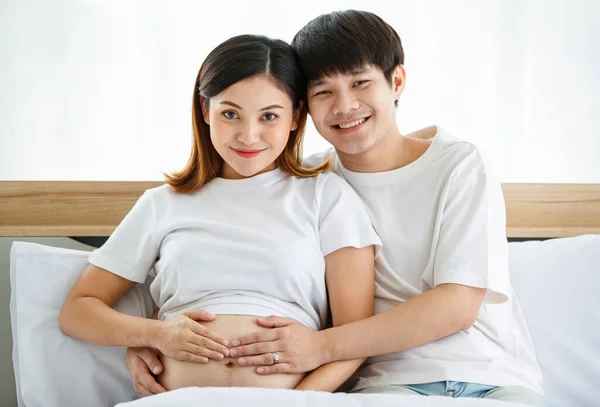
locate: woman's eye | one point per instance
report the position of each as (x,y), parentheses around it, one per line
(229,114)
(358,83)
(269,117)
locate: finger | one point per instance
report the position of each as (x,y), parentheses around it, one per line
(262,336)
(149,384)
(139,369)
(198,337)
(275,322)
(151,360)
(155,388)
(202,351)
(275,369)
(255,349)
(200,315)
(220,343)
(186,356)
(265,359)
(141,391)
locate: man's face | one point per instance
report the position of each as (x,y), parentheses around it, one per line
(356,110)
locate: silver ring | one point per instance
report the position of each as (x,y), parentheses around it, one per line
(275,357)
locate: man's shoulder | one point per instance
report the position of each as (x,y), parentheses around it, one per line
(319,158)
(460,154)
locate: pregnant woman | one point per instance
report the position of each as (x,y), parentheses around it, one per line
(242,231)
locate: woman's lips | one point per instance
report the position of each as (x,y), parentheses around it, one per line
(247,153)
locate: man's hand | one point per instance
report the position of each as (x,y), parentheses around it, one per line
(142,363)
(300,349)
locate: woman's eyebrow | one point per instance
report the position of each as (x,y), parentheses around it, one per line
(271,107)
(227,102)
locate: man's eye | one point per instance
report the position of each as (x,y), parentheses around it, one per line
(323,92)
(358,83)
(229,114)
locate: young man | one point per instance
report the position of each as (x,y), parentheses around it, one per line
(447,321)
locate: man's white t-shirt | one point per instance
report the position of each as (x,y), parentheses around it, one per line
(253,246)
(442,220)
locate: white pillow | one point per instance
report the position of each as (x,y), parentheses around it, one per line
(52,369)
(557,283)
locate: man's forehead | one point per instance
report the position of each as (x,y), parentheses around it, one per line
(323,80)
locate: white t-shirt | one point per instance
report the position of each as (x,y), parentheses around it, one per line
(442,219)
(254,246)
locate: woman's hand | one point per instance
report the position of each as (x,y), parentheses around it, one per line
(184,338)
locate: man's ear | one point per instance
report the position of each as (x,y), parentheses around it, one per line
(296,119)
(204,107)
(398,81)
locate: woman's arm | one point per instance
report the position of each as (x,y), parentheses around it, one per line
(350,283)
(87,314)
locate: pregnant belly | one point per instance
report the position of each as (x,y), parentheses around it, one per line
(226,372)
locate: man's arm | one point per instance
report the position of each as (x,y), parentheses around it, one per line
(427,317)
(435,314)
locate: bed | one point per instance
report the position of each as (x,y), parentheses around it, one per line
(555,269)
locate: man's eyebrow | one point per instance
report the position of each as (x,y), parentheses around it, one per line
(358,72)
(314,84)
(321,82)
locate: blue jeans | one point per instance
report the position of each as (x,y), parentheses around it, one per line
(517,394)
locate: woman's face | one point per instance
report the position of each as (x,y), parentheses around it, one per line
(250,123)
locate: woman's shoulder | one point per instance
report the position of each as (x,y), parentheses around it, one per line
(330,187)
(163,197)
(159,193)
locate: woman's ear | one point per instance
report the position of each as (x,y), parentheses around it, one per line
(204,106)
(296,119)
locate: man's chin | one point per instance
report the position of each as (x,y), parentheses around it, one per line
(353,149)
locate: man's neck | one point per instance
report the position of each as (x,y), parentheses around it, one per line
(391,152)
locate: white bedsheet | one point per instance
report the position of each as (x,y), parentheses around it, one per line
(255,397)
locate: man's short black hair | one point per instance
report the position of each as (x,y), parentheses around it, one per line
(342,41)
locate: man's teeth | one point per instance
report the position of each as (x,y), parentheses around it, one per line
(355,123)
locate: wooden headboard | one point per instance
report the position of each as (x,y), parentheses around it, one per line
(95,208)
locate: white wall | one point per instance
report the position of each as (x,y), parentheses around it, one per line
(100,90)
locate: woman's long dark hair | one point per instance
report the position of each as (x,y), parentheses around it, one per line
(236,59)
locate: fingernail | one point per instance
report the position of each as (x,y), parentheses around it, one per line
(233,352)
(242,361)
(220,356)
(260,370)
(155,370)
(235,342)
(224,342)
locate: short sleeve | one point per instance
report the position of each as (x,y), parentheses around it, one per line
(472,247)
(132,249)
(343,217)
